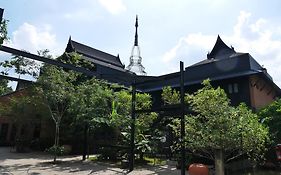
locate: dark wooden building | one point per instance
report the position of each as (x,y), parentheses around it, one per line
(108,67)
(239,74)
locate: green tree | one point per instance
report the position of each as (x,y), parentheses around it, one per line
(3,31)
(271,116)
(170,96)
(4,89)
(76,59)
(121,118)
(94,100)
(56,87)
(24,66)
(90,107)
(4,36)
(219,131)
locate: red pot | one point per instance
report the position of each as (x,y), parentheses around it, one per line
(198,169)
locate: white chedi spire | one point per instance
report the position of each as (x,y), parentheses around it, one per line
(135,58)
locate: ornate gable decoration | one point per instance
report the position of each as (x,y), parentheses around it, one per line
(220,50)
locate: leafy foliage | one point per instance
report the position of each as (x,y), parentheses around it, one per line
(56,150)
(56,88)
(4,89)
(76,59)
(3,31)
(24,66)
(271,116)
(235,131)
(170,96)
(94,100)
(121,118)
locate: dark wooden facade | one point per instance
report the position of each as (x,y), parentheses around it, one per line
(239,74)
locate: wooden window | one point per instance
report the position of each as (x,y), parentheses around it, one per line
(235,88)
(230,88)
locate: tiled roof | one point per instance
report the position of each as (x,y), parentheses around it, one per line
(230,64)
(93,54)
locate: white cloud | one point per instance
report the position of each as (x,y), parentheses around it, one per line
(113,6)
(259,38)
(31,38)
(82,15)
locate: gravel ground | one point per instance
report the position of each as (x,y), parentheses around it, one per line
(37,163)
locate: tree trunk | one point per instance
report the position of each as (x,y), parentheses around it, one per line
(219,162)
(141,156)
(85,144)
(56,141)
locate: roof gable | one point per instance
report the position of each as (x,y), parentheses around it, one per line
(220,50)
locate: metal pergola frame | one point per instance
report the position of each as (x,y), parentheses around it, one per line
(178,107)
(168,108)
(134,84)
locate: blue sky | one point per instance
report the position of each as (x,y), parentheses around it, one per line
(169,30)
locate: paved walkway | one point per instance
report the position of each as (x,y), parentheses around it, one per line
(38,163)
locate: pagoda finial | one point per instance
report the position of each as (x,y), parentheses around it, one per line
(136,34)
(135,58)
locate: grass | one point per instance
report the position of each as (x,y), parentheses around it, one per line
(154,161)
(146,161)
(93,158)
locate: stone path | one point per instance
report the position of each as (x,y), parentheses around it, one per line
(38,163)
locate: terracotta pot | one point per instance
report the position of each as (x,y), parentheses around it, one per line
(198,169)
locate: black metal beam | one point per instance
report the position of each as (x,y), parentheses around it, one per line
(1,14)
(14,79)
(47,60)
(182,119)
(132,144)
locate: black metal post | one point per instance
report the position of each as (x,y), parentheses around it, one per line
(132,144)
(85,144)
(1,14)
(182,119)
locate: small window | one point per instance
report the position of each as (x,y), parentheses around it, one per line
(230,88)
(235,88)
